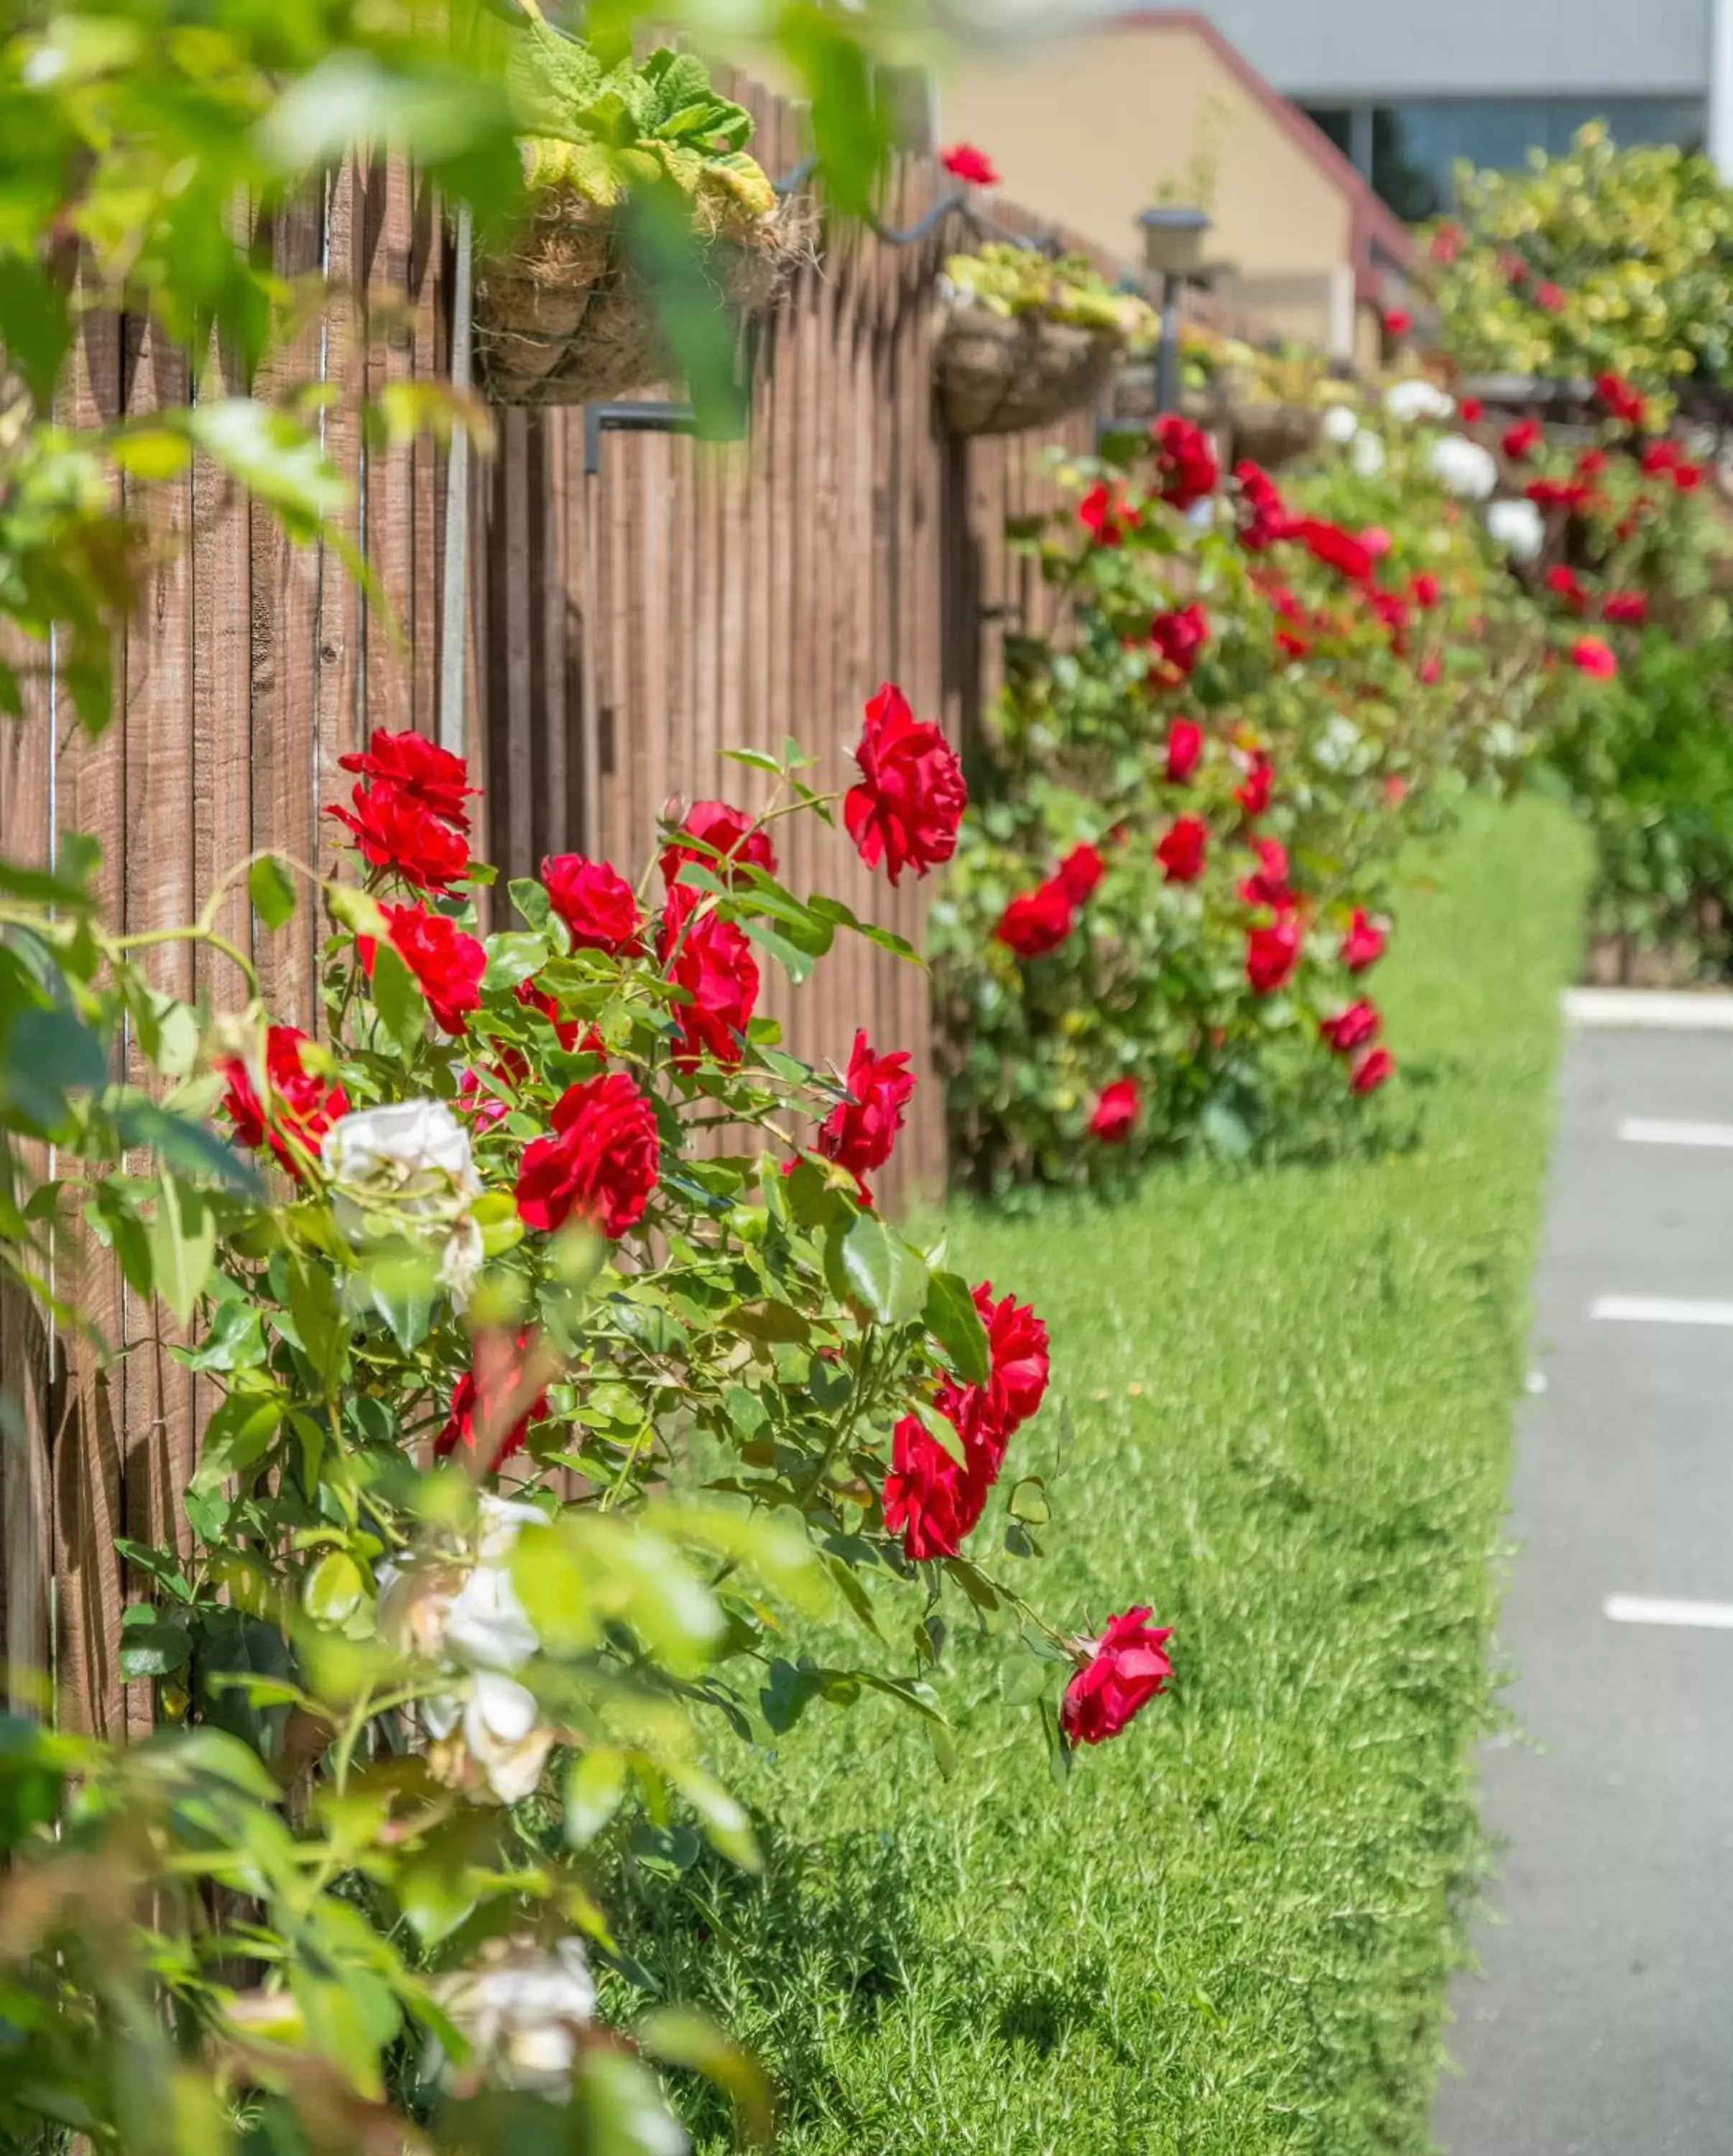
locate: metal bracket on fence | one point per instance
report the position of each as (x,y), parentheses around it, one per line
(631,417)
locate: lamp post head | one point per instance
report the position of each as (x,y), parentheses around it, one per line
(1172,238)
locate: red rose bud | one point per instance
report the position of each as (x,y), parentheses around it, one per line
(1272,954)
(1363,945)
(1126,1668)
(1106,515)
(1471,409)
(1079,873)
(1254,791)
(298,1107)
(1424,589)
(597,904)
(599,1162)
(1397,320)
(910,799)
(1569,587)
(1550,297)
(1037,921)
(448,963)
(1181,849)
(1116,1113)
(1352,1028)
(1371,1071)
(1185,745)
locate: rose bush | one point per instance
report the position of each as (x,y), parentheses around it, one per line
(1257,692)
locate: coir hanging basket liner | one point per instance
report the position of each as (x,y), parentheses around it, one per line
(1273,434)
(563,315)
(998,374)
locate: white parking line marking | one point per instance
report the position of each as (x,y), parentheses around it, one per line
(1659,1310)
(1646,1609)
(1644,1010)
(1641,1130)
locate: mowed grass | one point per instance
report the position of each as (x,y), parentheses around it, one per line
(1229,1931)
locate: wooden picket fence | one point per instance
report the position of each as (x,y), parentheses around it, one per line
(633,613)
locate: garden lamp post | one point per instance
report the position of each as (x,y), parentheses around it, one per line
(1172,244)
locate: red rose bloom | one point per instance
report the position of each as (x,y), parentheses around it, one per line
(1352,1028)
(299,1104)
(1181,849)
(1185,467)
(1686,477)
(1557,493)
(929,1500)
(1126,1668)
(595,902)
(986,1417)
(1254,791)
(711,959)
(1592,463)
(1185,745)
(1269,886)
(723,842)
(1550,297)
(1515,269)
(1264,516)
(1106,515)
(482,1395)
(1116,1113)
(1371,1071)
(1663,456)
(600,1162)
(448,964)
(411,765)
(397,831)
(1037,921)
(859,1132)
(911,796)
(1179,636)
(1398,320)
(566,1030)
(1363,945)
(1081,871)
(1593,656)
(1520,436)
(1569,587)
(1446,242)
(1629,607)
(1271,955)
(1424,588)
(1337,549)
(1472,409)
(1619,399)
(973,166)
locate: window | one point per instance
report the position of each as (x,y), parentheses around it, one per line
(1408,150)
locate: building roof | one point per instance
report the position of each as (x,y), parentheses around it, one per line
(1377,231)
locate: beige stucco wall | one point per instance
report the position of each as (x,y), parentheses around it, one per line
(1088,129)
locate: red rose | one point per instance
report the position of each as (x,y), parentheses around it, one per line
(1371,1071)
(1396,789)
(600,1162)
(1271,955)
(397,831)
(930,1500)
(1593,656)
(1079,873)
(482,1395)
(1619,399)
(410,764)
(859,1132)
(1185,746)
(1472,409)
(1037,921)
(1424,588)
(1557,493)
(1550,297)
(1397,320)
(447,963)
(1337,549)
(1106,515)
(1592,463)
(299,1105)
(1181,849)
(1520,437)
(1569,587)
(1126,1668)
(1352,1028)
(480,1094)
(1515,269)
(1269,886)
(597,904)
(723,842)
(1686,477)
(1178,637)
(1629,607)
(1116,1113)
(988,1416)
(1432,668)
(536,999)
(711,959)
(1254,791)
(1446,244)
(1661,457)
(911,796)
(1264,515)
(973,166)
(1363,945)
(1185,467)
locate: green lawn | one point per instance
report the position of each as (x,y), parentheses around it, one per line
(1230,1932)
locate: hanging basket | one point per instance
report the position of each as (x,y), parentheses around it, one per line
(563,315)
(1000,374)
(1273,434)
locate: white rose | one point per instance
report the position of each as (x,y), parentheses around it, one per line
(1518,527)
(1463,467)
(1367,455)
(1339,425)
(504,1737)
(486,1626)
(407,1151)
(1418,398)
(523,2016)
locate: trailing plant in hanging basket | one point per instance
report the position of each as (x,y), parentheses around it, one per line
(1024,339)
(564,312)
